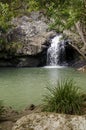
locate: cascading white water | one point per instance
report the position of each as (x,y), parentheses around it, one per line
(57,46)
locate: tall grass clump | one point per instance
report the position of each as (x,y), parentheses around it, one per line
(65,97)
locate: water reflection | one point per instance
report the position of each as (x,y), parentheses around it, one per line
(23,86)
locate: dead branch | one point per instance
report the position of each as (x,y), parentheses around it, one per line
(76,48)
(80,33)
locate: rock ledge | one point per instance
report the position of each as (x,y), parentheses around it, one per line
(50,121)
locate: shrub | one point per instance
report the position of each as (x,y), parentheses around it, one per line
(66,98)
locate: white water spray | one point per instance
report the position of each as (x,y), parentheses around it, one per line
(54,50)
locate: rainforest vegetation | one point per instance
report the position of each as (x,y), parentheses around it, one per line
(65,13)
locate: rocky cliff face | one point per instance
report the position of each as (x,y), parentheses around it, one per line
(29,40)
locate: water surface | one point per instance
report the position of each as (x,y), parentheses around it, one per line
(20,87)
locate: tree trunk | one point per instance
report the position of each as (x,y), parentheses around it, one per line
(79,29)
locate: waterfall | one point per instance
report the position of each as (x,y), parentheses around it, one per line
(55,51)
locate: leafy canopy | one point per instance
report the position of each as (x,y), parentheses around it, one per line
(5,15)
(64,12)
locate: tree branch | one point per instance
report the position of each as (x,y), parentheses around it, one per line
(80,33)
(76,48)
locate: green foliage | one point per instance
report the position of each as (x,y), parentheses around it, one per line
(13,47)
(64,98)
(5,16)
(10,9)
(32,5)
(64,12)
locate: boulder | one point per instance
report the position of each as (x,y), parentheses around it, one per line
(28,41)
(31,33)
(50,121)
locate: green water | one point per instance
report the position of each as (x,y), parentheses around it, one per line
(20,87)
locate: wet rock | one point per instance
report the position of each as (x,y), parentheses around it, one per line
(30,107)
(50,121)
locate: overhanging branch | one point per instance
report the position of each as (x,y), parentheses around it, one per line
(76,48)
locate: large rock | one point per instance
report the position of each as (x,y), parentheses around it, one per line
(31,33)
(28,41)
(50,121)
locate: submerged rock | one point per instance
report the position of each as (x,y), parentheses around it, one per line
(50,121)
